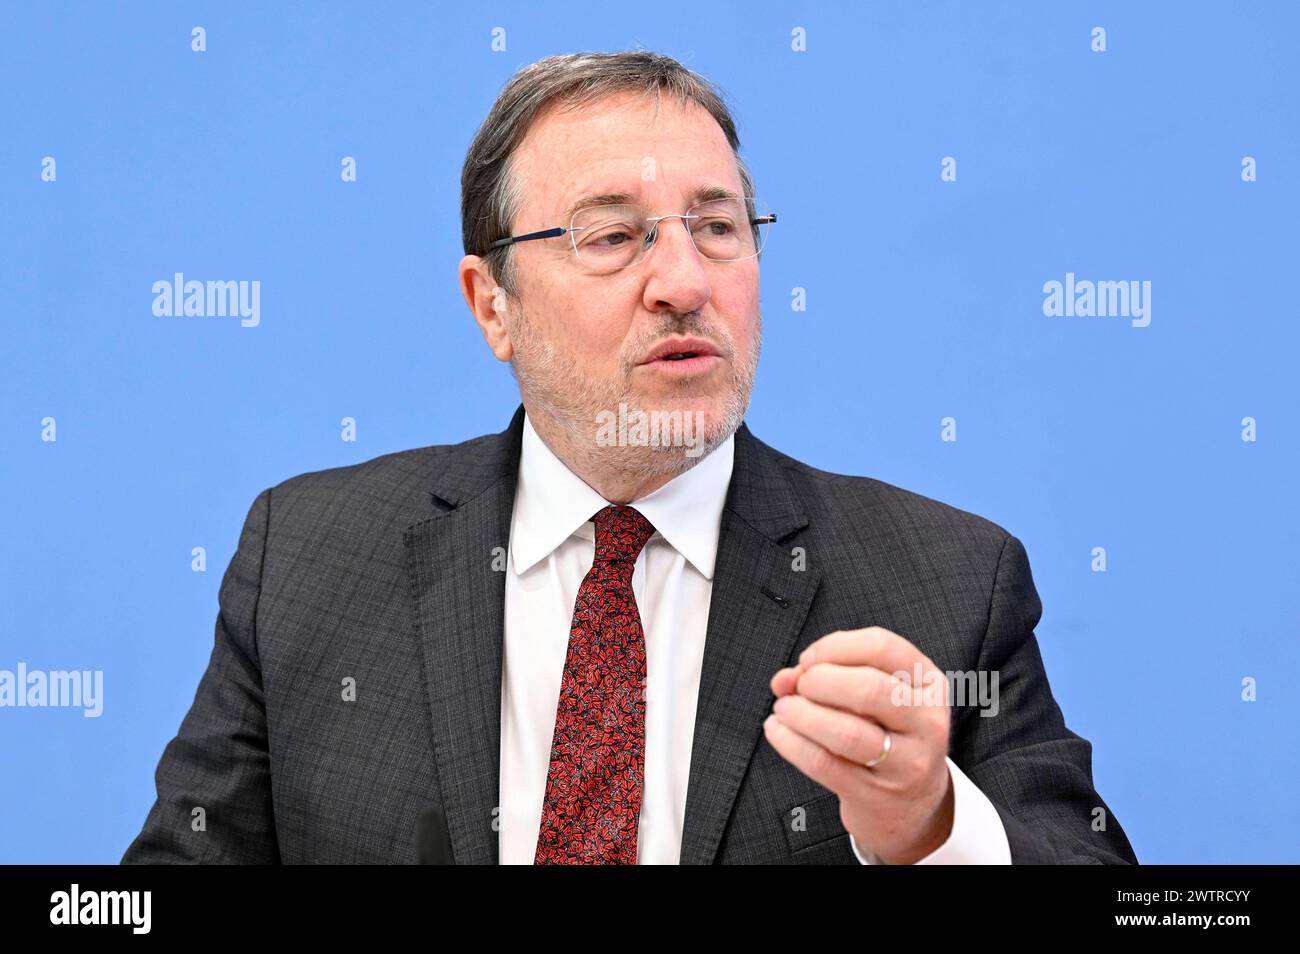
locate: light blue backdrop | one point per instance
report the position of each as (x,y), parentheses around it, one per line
(924,301)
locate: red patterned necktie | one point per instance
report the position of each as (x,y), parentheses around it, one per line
(593,787)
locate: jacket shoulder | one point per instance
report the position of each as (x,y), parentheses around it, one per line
(867,505)
(391,488)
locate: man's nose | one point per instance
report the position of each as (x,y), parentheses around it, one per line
(676,272)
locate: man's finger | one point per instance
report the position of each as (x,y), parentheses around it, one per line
(872,693)
(783,682)
(873,646)
(820,764)
(851,737)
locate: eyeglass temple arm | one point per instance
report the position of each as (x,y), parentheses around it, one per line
(547,233)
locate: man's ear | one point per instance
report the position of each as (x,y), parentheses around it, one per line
(488,302)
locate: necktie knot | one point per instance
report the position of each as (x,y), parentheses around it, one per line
(621,533)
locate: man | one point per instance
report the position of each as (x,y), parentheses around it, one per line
(579,641)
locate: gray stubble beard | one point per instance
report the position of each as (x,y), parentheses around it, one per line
(553,387)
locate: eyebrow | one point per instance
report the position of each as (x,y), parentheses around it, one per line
(702,194)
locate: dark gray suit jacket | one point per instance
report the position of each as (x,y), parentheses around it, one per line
(384,572)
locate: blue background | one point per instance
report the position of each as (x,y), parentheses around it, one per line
(924,301)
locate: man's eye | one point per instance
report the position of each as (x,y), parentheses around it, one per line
(611,236)
(717,227)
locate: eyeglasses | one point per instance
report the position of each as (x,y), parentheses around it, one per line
(606,238)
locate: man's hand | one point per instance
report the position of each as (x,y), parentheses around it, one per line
(830,718)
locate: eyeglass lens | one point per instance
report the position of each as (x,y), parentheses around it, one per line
(609,237)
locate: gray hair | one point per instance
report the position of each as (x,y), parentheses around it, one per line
(490,196)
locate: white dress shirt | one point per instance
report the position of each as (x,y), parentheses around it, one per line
(552,546)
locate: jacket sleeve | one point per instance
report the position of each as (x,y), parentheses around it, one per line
(214,780)
(1035,771)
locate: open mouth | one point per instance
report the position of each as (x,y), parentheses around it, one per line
(683,354)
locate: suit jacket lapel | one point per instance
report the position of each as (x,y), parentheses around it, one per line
(458,583)
(750,636)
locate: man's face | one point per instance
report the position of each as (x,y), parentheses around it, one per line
(581,343)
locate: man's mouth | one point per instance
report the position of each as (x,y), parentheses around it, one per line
(684,364)
(679,350)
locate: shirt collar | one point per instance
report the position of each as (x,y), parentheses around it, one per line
(552,503)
